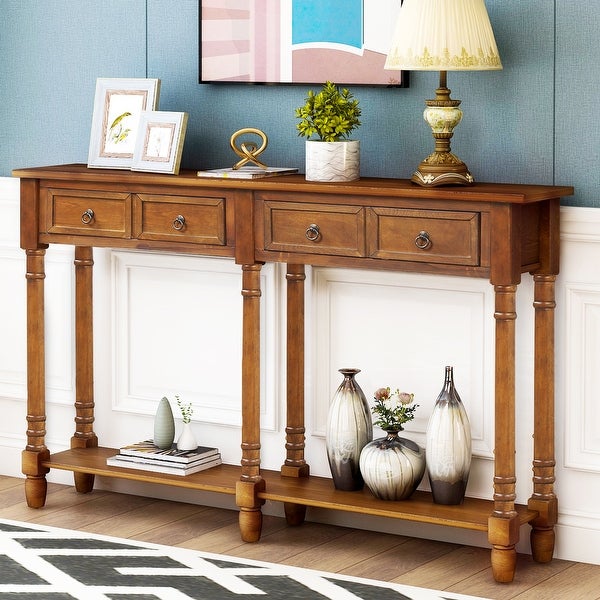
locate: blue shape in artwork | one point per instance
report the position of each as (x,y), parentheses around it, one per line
(333,21)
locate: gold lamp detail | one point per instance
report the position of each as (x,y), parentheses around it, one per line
(443,35)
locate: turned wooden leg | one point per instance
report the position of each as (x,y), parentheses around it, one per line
(251,482)
(543,499)
(35,451)
(295,465)
(503,525)
(84,436)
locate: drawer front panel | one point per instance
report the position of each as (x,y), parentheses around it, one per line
(198,220)
(82,212)
(314,228)
(438,236)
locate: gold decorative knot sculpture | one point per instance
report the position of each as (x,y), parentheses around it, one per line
(248,151)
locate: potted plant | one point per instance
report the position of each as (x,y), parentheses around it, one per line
(332,115)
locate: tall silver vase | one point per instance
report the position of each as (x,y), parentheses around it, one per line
(349,429)
(448,445)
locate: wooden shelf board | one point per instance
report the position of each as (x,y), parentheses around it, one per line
(221,478)
(310,491)
(320,492)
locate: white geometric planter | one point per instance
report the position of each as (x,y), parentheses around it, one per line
(332,161)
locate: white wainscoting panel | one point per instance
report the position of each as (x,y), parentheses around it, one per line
(13,318)
(401,330)
(582,417)
(177,330)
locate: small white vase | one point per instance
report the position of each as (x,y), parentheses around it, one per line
(187,439)
(332,161)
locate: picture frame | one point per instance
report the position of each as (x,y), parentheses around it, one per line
(159,142)
(298,42)
(118,104)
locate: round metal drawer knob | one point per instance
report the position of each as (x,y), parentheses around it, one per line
(179,222)
(87,217)
(313,233)
(423,241)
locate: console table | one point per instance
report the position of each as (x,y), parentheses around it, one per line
(494,231)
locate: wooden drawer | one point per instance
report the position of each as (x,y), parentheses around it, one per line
(85,212)
(314,228)
(433,236)
(199,220)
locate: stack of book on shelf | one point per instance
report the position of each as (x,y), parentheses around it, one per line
(147,457)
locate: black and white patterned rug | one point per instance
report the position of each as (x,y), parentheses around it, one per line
(47,563)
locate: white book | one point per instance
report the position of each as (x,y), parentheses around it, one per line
(148,450)
(122,461)
(175,465)
(246,172)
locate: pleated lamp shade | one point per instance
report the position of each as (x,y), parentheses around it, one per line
(443,35)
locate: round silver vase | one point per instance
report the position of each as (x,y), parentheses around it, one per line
(392,467)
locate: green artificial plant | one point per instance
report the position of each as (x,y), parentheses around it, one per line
(332,114)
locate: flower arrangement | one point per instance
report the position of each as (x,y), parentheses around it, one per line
(186,410)
(393,409)
(332,114)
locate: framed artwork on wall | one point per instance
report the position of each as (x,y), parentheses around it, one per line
(118,105)
(298,41)
(159,142)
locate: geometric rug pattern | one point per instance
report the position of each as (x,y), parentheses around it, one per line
(47,563)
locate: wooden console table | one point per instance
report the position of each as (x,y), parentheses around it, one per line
(494,231)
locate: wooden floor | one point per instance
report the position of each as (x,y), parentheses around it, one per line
(386,557)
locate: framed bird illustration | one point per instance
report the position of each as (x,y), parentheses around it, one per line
(118,106)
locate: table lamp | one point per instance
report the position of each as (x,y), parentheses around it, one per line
(443,35)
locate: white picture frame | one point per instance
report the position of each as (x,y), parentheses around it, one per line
(118,104)
(159,143)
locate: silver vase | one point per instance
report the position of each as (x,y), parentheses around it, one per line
(349,429)
(448,445)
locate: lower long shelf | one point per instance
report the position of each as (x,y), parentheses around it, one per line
(309,491)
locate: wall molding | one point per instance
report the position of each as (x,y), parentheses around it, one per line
(167,311)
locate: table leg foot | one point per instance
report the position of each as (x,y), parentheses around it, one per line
(542,544)
(35,491)
(84,482)
(542,535)
(36,486)
(294,513)
(250,518)
(504,563)
(250,524)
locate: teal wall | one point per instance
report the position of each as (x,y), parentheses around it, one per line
(526,123)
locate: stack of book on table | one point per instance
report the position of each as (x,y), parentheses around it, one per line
(147,457)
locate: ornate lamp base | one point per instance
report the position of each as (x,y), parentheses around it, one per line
(451,172)
(442,167)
